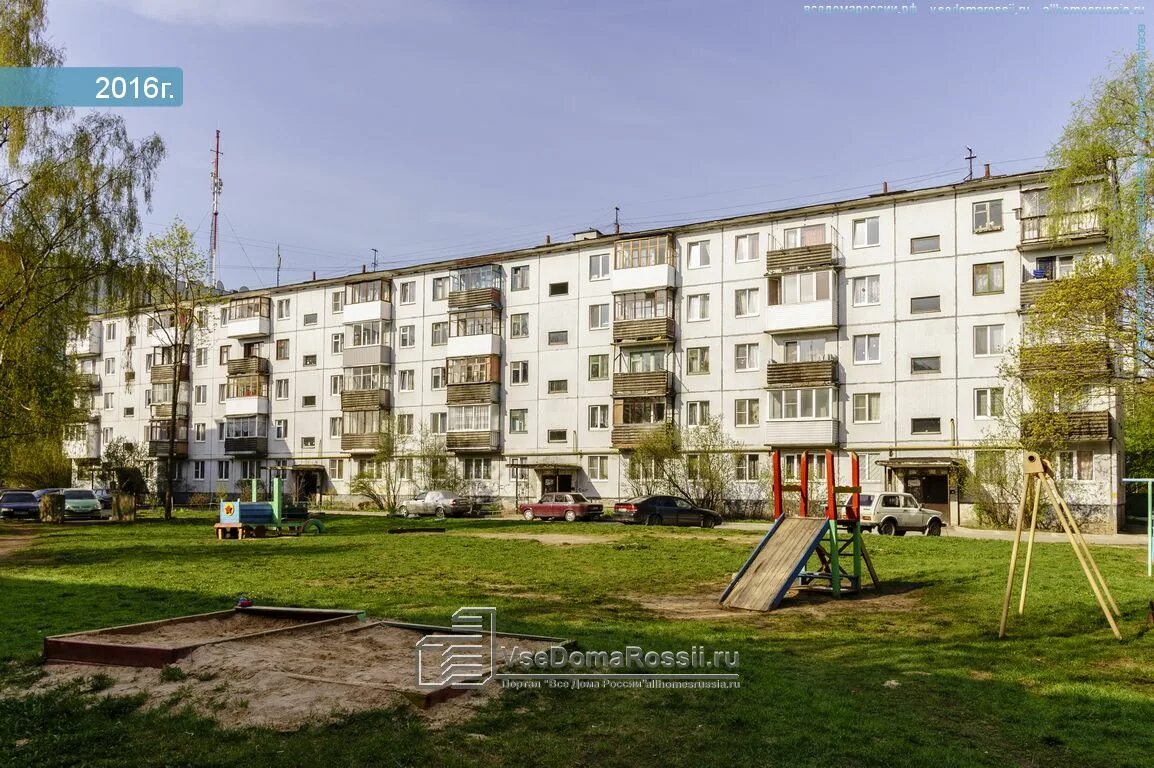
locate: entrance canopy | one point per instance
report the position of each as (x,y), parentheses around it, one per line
(922,462)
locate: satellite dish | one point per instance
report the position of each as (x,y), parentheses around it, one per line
(220,285)
(242,288)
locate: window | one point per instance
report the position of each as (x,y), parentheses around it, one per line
(866,290)
(438,422)
(696,412)
(599,417)
(408,292)
(440,288)
(338,302)
(475,323)
(801,237)
(519,372)
(988,278)
(1075,465)
(804,350)
(223,316)
(926,426)
(198,470)
(598,317)
(281,389)
(558,289)
(405,423)
(698,254)
(336,426)
(557,435)
(519,278)
(799,288)
(745,357)
(697,359)
(643,360)
(987,216)
(799,404)
(926,364)
(338,343)
(745,302)
(223,470)
(469,418)
(747,467)
(745,248)
(280,427)
(988,403)
(476,469)
(358,293)
(867,408)
(110,365)
(558,337)
(148,362)
(282,309)
(867,348)
(642,410)
(309,401)
(437,378)
(310,318)
(558,386)
(308,443)
(200,394)
(309,361)
(337,469)
(1054,267)
(220,431)
(439,334)
(922,304)
(642,305)
(357,423)
(598,266)
(598,467)
(198,432)
(408,335)
(519,420)
(224,354)
(406,380)
(479,369)
(366,334)
(988,340)
(746,412)
(698,306)
(336,384)
(518,326)
(221,392)
(865,232)
(201,357)
(927,244)
(282,349)
(598,367)
(642,252)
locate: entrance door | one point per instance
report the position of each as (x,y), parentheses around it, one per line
(548,484)
(936,493)
(565,483)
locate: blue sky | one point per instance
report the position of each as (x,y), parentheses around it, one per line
(430,129)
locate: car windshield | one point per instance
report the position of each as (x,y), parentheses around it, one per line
(866,499)
(86,495)
(14,497)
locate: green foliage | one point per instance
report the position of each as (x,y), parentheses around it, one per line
(39,464)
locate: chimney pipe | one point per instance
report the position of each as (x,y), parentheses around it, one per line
(363,268)
(617,228)
(885,187)
(548,239)
(987,175)
(314,275)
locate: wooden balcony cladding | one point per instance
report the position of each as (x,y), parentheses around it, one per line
(159,449)
(247,366)
(1074,361)
(655,329)
(800,259)
(811,373)
(360,443)
(481,440)
(1072,426)
(162,374)
(90,380)
(161,411)
(246,446)
(472,394)
(475,298)
(625,436)
(655,383)
(366,400)
(1032,289)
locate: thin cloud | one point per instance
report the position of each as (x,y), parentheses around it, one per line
(282,13)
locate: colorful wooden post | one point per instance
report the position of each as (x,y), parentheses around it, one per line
(803,471)
(830,486)
(775,465)
(854,480)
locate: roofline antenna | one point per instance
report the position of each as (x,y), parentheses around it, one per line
(217,185)
(374,250)
(971,157)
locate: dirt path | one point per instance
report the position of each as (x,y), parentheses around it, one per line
(13,539)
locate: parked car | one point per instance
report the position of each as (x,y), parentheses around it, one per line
(664,510)
(557,506)
(440,504)
(79,503)
(892,514)
(23,504)
(104,496)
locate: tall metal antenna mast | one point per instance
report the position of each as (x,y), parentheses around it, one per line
(374,250)
(971,157)
(278,265)
(217,184)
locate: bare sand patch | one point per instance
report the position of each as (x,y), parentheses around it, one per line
(706,604)
(191,633)
(552,539)
(15,539)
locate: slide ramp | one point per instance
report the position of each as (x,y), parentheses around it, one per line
(775,564)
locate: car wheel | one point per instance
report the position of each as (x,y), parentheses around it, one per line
(570,515)
(888,527)
(403,511)
(934,528)
(653,520)
(439,513)
(527,514)
(707,521)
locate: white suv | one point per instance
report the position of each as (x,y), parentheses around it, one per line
(892,514)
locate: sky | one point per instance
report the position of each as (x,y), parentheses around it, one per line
(431,129)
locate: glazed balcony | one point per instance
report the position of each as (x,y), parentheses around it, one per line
(164,374)
(158,439)
(482,441)
(160,449)
(472,394)
(85,446)
(246,366)
(366,400)
(249,317)
(812,373)
(368,300)
(803,433)
(373,354)
(812,315)
(90,380)
(476,287)
(660,329)
(644,384)
(163,411)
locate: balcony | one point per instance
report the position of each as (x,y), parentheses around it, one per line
(472,394)
(366,400)
(160,449)
(249,318)
(1082,361)
(246,446)
(165,374)
(803,433)
(645,384)
(643,278)
(1032,289)
(660,329)
(1043,232)
(1070,426)
(86,447)
(481,344)
(87,343)
(244,366)
(90,380)
(627,436)
(364,311)
(474,298)
(374,354)
(368,443)
(483,441)
(812,247)
(163,411)
(158,439)
(813,373)
(246,406)
(812,315)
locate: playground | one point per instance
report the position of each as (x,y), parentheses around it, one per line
(912,673)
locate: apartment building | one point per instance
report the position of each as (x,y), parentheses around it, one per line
(875,325)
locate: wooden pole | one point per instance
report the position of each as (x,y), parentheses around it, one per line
(803,471)
(1029,552)
(775,462)
(1014,558)
(1081,542)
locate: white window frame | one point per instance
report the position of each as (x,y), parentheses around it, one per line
(697,307)
(697,254)
(987,332)
(863,226)
(985,400)
(870,405)
(747,299)
(601,260)
(866,359)
(866,283)
(747,244)
(598,416)
(599,318)
(747,412)
(751,356)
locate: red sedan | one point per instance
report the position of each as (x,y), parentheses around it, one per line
(567,506)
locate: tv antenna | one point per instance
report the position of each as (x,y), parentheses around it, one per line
(971,157)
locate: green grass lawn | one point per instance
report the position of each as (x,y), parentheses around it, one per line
(817,678)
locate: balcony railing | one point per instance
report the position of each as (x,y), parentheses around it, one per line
(653,329)
(1070,426)
(248,365)
(472,394)
(161,411)
(367,443)
(648,383)
(625,436)
(821,372)
(813,247)
(366,400)
(90,380)
(474,298)
(1045,231)
(246,446)
(810,433)
(163,374)
(1032,289)
(1083,361)
(478,440)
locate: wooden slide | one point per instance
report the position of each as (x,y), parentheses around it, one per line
(775,564)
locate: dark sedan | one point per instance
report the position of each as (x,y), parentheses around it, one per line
(664,510)
(19,504)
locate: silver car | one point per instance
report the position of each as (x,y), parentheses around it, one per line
(892,514)
(439,504)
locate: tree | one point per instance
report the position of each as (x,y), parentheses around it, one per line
(382,483)
(40,463)
(433,466)
(698,463)
(122,459)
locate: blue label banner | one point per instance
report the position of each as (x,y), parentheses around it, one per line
(91,86)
